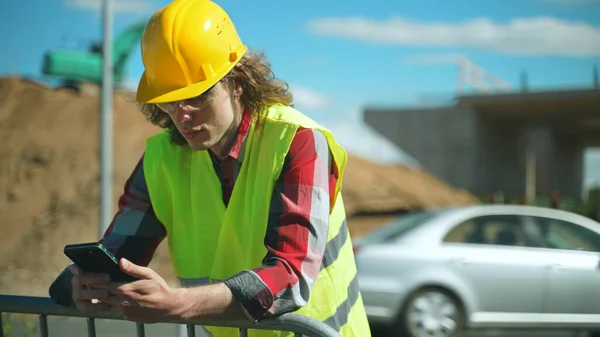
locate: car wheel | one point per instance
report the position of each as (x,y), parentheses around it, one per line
(431,312)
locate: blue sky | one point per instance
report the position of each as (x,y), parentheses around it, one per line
(339,56)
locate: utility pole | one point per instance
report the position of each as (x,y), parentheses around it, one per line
(106,119)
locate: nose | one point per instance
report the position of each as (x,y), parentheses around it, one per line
(182,115)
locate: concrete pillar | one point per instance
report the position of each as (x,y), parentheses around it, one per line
(501,160)
(543,149)
(569,154)
(558,162)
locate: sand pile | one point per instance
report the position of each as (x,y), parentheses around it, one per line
(371,187)
(49,179)
(49,176)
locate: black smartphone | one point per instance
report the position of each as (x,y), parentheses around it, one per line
(93,257)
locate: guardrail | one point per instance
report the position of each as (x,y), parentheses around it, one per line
(44,307)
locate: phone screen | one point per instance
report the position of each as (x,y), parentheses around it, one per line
(95,258)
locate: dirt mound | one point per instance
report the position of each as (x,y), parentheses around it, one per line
(370,187)
(49,175)
(49,179)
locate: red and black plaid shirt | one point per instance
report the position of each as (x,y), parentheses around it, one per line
(296,233)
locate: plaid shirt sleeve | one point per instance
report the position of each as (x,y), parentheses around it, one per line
(296,233)
(135,232)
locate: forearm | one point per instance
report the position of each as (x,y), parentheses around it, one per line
(213,302)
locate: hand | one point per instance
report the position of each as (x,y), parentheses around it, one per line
(147,300)
(85,296)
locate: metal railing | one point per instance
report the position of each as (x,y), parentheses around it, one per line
(44,307)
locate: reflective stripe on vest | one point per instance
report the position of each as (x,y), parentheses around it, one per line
(208,241)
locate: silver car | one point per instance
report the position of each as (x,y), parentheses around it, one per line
(436,273)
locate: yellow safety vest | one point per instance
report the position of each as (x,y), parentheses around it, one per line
(210,241)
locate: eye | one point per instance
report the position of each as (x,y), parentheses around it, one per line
(202,98)
(197,99)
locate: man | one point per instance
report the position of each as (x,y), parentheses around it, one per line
(244,187)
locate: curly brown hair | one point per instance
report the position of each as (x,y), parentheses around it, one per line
(260,89)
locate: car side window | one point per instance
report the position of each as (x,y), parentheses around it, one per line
(559,234)
(503,230)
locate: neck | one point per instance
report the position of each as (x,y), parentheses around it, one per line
(223,147)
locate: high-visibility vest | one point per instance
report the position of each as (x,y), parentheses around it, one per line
(209,242)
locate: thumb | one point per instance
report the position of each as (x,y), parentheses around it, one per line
(134,270)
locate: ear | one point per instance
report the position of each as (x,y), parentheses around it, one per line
(238,90)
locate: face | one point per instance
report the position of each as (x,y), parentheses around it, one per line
(208,121)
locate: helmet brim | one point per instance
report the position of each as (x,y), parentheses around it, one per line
(147,94)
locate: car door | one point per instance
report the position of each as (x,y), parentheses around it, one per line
(573,273)
(492,255)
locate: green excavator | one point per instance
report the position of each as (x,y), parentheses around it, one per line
(73,67)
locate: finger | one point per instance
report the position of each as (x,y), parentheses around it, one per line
(89,306)
(114,288)
(136,271)
(94,278)
(78,295)
(116,309)
(120,302)
(84,294)
(74,269)
(89,279)
(127,291)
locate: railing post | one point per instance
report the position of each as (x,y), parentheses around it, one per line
(1,325)
(141,332)
(44,307)
(191,331)
(91,327)
(43,320)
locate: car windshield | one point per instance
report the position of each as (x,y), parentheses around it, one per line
(397,227)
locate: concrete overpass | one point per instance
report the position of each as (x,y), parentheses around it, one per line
(524,144)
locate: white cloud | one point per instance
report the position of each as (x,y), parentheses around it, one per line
(533,36)
(119,6)
(305,97)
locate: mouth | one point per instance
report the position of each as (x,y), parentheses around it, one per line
(189,134)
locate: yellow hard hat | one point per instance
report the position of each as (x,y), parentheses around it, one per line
(187,47)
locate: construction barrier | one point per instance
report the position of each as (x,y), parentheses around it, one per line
(44,307)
